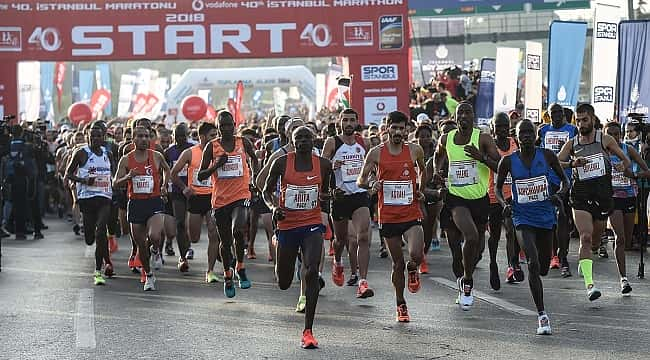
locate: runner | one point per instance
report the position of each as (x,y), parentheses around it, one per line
(226,160)
(140,170)
(470,155)
(400,217)
(350,202)
(505,146)
(552,137)
(304,182)
(591,191)
(90,167)
(532,209)
(430,206)
(198,194)
(625,193)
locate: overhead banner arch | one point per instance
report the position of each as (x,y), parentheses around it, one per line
(371,33)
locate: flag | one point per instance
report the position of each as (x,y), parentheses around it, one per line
(633,77)
(485,96)
(59,78)
(604,56)
(566,50)
(239,98)
(505,80)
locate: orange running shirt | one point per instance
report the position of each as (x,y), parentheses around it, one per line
(231,181)
(397,203)
(299,194)
(199,187)
(507,192)
(146,185)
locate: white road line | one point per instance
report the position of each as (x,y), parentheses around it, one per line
(84,320)
(89,252)
(505,305)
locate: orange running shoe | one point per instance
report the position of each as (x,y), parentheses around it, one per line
(131,263)
(112,244)
(424,269)
(555,262)
(403,314)
(308,341)
(338,276)
(363,291)
(414,281)
(136,260)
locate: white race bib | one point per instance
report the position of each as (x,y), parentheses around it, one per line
(102,184)
(233,168)
(595,167)
(554,140)
(301,197)
(350,170)
(398,192)
(142,184)
(619,180)
(532,190)
(195,179)
(507,182)
(463,173)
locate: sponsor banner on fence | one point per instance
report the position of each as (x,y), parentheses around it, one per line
(565,55)
(633,75)
(505,81)
(485,97)
(533,100)
(375,108)
(604,56)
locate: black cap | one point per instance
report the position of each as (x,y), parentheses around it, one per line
(637,116)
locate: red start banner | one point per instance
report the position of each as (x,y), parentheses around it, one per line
(371,33)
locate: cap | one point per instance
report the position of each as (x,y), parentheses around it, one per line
(422,117)
(513,114)
(64,128)
(637,116)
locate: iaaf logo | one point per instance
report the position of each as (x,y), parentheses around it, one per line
(533,62)
(603,94)
(605,30)
(379,72)
(389,19)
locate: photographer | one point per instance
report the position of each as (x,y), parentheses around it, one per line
(41,158)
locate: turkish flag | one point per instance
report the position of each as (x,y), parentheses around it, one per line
(139,103)
(59,77)
(98,101)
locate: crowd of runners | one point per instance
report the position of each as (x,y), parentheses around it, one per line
(316,193)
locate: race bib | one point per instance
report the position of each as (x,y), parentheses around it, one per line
(532,190)
(301,197)
(507,182)
(619,180)
(102,184)
(350,170)
(398,192)
(595,167)
(195,180)
(462,173)
(233,168)
(142,184)
(554,140)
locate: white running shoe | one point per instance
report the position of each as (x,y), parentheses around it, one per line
(150,283)
(593,293)
(465,298)
(156,260)
(544,325)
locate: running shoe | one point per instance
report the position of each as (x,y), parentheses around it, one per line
(302,302)
(424,269)
(403,314)
(593,293)
(383,253)
(108,270)
(77,230)
(169,249)
(495,282)
(112,244)
(519,274)
(189,255)
(363,291)
(308,341)
(414,281)
(38,235)
(353,280)
(183,265)
(251,254)
(211,277)
(626,288)
(228,284)
(510,275)
(543,325)
(522,257)
(466,300)
(565,272)
(99,279)
(435,244)
(150,282)
(244,283)
(602,251)
(321,281)
(555,262)
(338,276)
(156,259)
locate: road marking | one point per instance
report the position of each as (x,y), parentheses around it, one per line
(500,303)
(84,320)
(89,252)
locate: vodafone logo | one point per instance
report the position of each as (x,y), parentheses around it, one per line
(381,106)
(386,72)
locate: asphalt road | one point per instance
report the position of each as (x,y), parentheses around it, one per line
(50,309)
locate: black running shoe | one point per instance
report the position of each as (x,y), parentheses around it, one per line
(353,280)
(495,282)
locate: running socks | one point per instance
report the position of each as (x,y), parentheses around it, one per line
(586,266)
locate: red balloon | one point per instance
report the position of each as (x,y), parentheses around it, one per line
(79,113)
(194,108)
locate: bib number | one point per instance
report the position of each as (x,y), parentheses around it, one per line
(102,184)
(532,190)
(398,192)
(301,197)
(195,180)
(507,182)
(619,180)
(463,173)
(233,168)
(350,170)
(594,168)
(554,140)
(142,184)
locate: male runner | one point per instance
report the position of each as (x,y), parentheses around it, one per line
(591,191)
(90,167)
(470,155)
(226,160)
(350,203)
(140,170)
(430,206)
(552,137)
(198,194)
(533,213)
(304,182)
(399,209)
